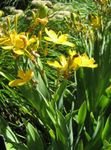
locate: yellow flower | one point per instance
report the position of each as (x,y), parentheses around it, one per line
(72,65)
(73,62)
(53,37)
(15,42)
(95,21)
(62,64)
(24,78)
(43,21)
(20,43)
(85,61)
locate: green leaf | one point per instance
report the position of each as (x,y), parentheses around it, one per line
(87,136)
(58,97)
(52,134)
(34,141)
(107,129)
(55,146)
(10,135)
(80,145)
(106,145)
(51,113)
(68,119)
(82,113)
(16,146)
(10,146)
(98,130)
(40,78)
(61,129)
(104,101)
(33,96)
(42,86)
(7,76)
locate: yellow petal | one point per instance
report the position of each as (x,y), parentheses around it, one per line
(7,47)
(54,64)
(32,40)
(48,39)
(62,38)
(63,60)
(51,34)
(75,63)
(18,51)
(29,74)
(43,21)
(72,53)
(24,41)
(78,60)
(68,44)
(96,21)
(4,41)
(18,40)
(73,66)
(13,35)
(25,77)
(19,43)
(85,61)
(17,82)
(21,74)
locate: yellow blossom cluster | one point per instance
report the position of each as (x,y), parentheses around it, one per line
(24,44)
(57,39)
(19,43)
(73,62)
(23,78)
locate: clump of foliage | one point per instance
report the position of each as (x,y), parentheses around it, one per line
(55,76)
